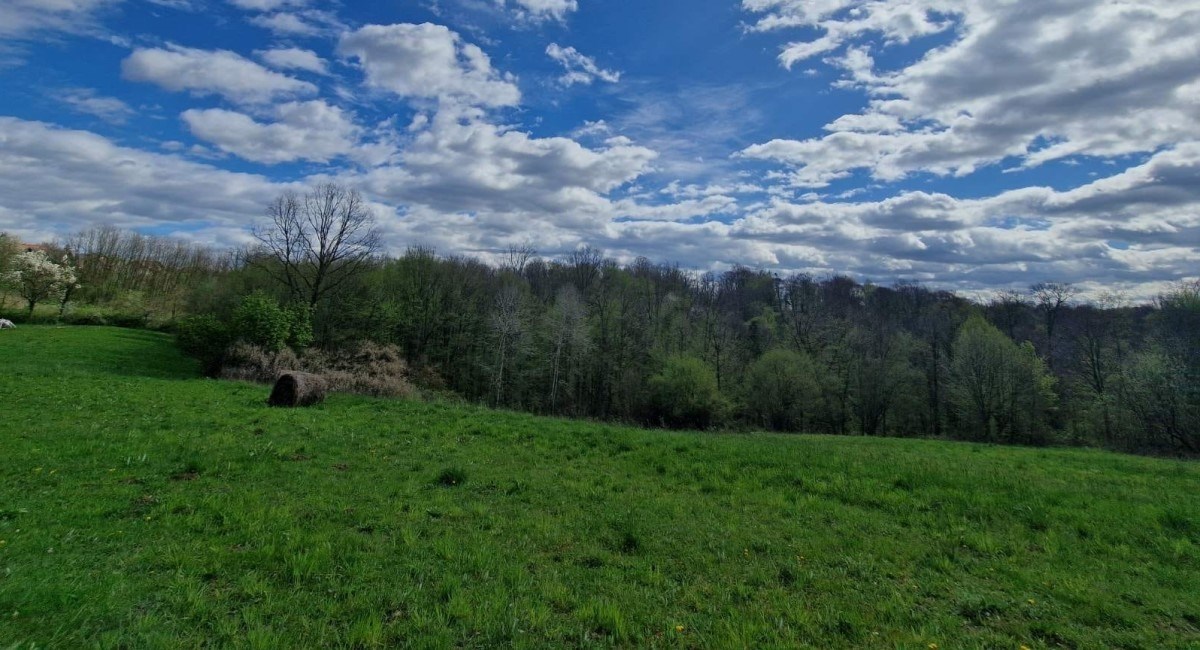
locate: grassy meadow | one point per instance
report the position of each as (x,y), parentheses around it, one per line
(142,506)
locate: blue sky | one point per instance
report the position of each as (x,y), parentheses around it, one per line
(969,144)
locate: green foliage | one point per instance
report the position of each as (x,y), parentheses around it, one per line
(300,326)
(1001,391)
(259,320)
(204,338)
(684,395)
(9,247)
(1160,394)
(781,390)
(151,504)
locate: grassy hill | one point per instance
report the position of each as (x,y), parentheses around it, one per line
(142,506)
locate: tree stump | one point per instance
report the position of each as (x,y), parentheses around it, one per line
(297,389)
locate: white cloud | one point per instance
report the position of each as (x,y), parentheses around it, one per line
(266,5)
(294,58)
(540,10)
(428,61)
(54,181)
(464,185)
(26,18)
(579,68)
(459,163)
(85,100)
(212,72)
(310,23)
(312,131)
(1134,228)
(1033,81)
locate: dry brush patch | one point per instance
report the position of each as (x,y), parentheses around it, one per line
(364,368)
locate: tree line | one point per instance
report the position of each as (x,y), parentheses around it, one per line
(586,336)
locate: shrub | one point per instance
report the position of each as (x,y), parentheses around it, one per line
(300,331)
(205,338)
(685,395)
(365,368)
(85,316)
(259,320)
(129,319)
(246,362)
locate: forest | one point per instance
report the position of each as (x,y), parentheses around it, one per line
(645,342)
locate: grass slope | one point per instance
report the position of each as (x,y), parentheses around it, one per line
(141,506)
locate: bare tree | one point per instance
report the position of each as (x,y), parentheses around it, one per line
(585,266)
(1050,298)
(519,256)
(568,322)
(318,241)
(508,326)
(1006,310)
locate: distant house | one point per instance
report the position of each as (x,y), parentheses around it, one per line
(45,248)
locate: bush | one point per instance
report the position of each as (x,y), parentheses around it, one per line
(205,338)
(300,332)
(246,362)
(85,316)
(128,319)
(365,368)
(685,395)
(259,320)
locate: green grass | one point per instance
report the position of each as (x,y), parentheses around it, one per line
(143,507)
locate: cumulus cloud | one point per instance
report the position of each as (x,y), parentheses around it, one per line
(1135,227)
(54,181)
(428,61)
(88,102)
(1033,82)
(580,69)
(212,72)
(294,58)
(465,185)
(460,163)
(313,131)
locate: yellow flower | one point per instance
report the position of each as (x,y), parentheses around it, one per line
(1032,601)
(933,646)
(679,629)
(1024,647)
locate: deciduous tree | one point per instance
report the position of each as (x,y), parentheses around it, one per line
(315,243)
(37,278)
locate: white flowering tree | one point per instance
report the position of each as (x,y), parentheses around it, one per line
(37,278)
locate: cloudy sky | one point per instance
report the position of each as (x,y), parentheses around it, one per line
(968,144)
